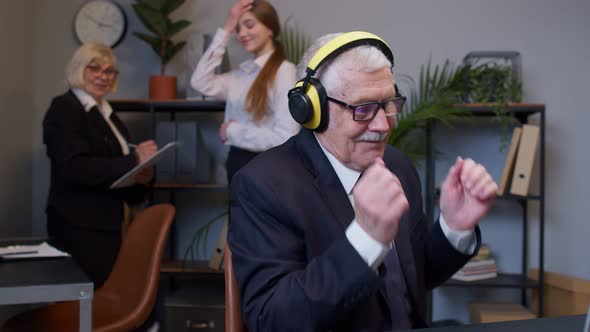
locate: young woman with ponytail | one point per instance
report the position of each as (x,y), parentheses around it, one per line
(256,113)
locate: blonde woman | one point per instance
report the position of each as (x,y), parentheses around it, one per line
(256,112)
(88,147)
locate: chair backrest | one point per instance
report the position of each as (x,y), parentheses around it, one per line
(133,283)
(233,312)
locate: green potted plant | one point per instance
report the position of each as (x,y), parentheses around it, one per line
(155,16)
(294,40)
(441,89)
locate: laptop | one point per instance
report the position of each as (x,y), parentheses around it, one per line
(587,324)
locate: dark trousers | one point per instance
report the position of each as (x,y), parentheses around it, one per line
(94,251)
(236,159)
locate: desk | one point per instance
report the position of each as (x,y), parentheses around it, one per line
(47,280)
(561,324)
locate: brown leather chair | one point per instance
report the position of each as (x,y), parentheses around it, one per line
(233,312)
(127,298)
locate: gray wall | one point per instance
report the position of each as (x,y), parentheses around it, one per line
(551,37)
(16,110)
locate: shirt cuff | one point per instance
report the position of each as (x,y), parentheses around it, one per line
(464,241)
(231,132)
(221,36)
(372,251)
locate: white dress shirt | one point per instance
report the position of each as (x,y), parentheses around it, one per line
(371,250)
(277,125)
(105,109)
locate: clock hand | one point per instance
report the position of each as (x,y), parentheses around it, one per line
(90,17)
(100,24)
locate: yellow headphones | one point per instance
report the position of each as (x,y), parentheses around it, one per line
(307,100)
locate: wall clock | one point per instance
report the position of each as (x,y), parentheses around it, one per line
(100,21)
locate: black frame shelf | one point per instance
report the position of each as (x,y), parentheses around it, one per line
(503,280)
(167,106)
(171,107)
(522,113)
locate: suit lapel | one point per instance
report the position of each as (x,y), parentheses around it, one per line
(326,182)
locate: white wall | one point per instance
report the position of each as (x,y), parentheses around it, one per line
(551,37)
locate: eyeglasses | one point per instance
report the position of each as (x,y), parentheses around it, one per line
(110,72)
(368,111)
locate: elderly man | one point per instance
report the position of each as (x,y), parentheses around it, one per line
(327,230)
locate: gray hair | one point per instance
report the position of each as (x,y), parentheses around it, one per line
(364,58)
(82,57)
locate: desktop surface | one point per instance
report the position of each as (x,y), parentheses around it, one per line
(52,271)
(561,324)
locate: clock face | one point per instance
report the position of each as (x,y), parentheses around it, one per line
(100,21)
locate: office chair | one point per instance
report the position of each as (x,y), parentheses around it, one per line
(233,312)
(127,298)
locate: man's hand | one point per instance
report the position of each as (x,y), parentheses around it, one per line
(379,202)
(466,194)
(144,150)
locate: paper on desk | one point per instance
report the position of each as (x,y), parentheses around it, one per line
(127,179)
(31,251)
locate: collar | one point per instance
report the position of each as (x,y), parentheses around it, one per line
(88,102)
(348,176)
(252,65)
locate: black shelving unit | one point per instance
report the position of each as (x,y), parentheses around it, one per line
(172,107)
(192,293)
(521,112)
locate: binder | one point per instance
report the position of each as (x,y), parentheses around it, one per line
(509,163)
(193,161)
(525,159)
(166,168)
(186,159)
(216,258)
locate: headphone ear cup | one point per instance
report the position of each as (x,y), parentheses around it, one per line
(309,107)
(299,104)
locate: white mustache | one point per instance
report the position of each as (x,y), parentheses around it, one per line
(371,136)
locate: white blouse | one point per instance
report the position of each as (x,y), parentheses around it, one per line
(277,125)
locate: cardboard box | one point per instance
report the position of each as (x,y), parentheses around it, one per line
(489,312)
(562,295)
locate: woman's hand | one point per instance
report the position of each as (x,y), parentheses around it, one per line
(223,130)
(144,150)
(235,12)
(145,175)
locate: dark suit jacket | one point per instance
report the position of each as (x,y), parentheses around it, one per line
(294,265)
(85,160)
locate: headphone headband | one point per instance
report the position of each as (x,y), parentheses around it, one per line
(344,42)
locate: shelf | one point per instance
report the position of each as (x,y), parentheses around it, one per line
(504,280)
(488,109)
(173,105)
(199,186)
(189,267)
(522,113)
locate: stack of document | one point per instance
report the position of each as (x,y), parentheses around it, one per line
(30,251)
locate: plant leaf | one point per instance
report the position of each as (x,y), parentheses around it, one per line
(154,4)
(154,42)
(176,27)
(152,19)
(171,5)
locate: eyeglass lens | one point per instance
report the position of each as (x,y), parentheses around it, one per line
(96,69)
(369,110)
